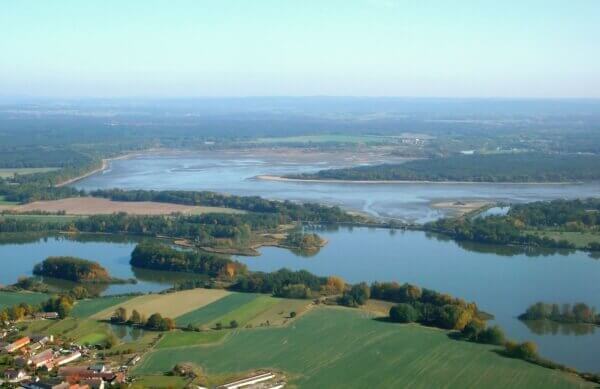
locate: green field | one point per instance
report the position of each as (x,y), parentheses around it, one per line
(247,312)
(579,239)
(78,330)
(9,173)
(188,338)
(336,347)
(332,138)
(8,299)
(87,308)
(161,381)
(215,310)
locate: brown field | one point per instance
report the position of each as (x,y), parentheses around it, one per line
(100,206)
(170,304)
(460,208)
(378,307)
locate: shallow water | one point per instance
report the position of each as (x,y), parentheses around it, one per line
(234,174)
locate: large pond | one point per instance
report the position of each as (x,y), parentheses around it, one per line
(502,281)
(18,259)
(234,172)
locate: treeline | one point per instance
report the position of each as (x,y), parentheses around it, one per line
(567,313)
(512,167)
(425,306)
(157,256)
(72,269)
(282,283)
(524,224)
(288,210)
(156,322)
(202,229)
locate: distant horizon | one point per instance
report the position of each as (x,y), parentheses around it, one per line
(366,48)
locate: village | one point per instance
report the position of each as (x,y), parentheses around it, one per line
(45,361)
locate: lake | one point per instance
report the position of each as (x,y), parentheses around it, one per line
(234,171)
(502,281)
(18,259)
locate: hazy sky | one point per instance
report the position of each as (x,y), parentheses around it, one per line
(521,48)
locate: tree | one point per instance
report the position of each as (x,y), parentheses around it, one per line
(233,324)
(335,285)
(492,335)
(403,313)
(218,326)
(292,314)
(120,315)
(64,308)
(154,321)
(473,330)
(135,318)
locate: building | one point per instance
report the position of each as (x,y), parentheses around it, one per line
(135,359)
(68,358)
(46,315)
(249,381)
(12,375)
(17,344)
(41,359)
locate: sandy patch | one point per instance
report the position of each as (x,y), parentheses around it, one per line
(460,207)
(170,304)
(100,206)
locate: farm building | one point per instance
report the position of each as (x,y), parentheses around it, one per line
(252,382)
(46,315)
(68,358)
(17,344)
(41,359)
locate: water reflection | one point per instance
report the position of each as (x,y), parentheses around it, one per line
(127,333)
(549,327)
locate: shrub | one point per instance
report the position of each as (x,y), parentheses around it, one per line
(404,313)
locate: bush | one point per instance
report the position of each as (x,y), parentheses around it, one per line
(292,314)
(404,313)
(525,350)
(492,335)
(233,324)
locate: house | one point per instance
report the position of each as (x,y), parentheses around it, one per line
(68,358)
(3,334)
(135,359)
(12,375)
(42,339)
(17,344)
(46,315)
(41,359)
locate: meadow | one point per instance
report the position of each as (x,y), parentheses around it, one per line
(579,239)
(190,338)
(8,299)
(215,310)
(335,347)
(90,307)
(9,173)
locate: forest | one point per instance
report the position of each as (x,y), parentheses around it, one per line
(567,313)
(524,224)
(502,167)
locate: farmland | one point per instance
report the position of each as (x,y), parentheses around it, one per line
(189,338)
(87,308)
(215,310)
(8,299)
(169,304)
(101,206)
(9,173)
(332,347)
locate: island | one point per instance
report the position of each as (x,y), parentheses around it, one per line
(567,313)
(74,269)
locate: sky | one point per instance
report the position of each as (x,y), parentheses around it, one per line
(179,48)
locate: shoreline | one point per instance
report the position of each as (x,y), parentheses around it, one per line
(103,167)
(266,177)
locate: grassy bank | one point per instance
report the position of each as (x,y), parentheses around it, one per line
(333,347)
